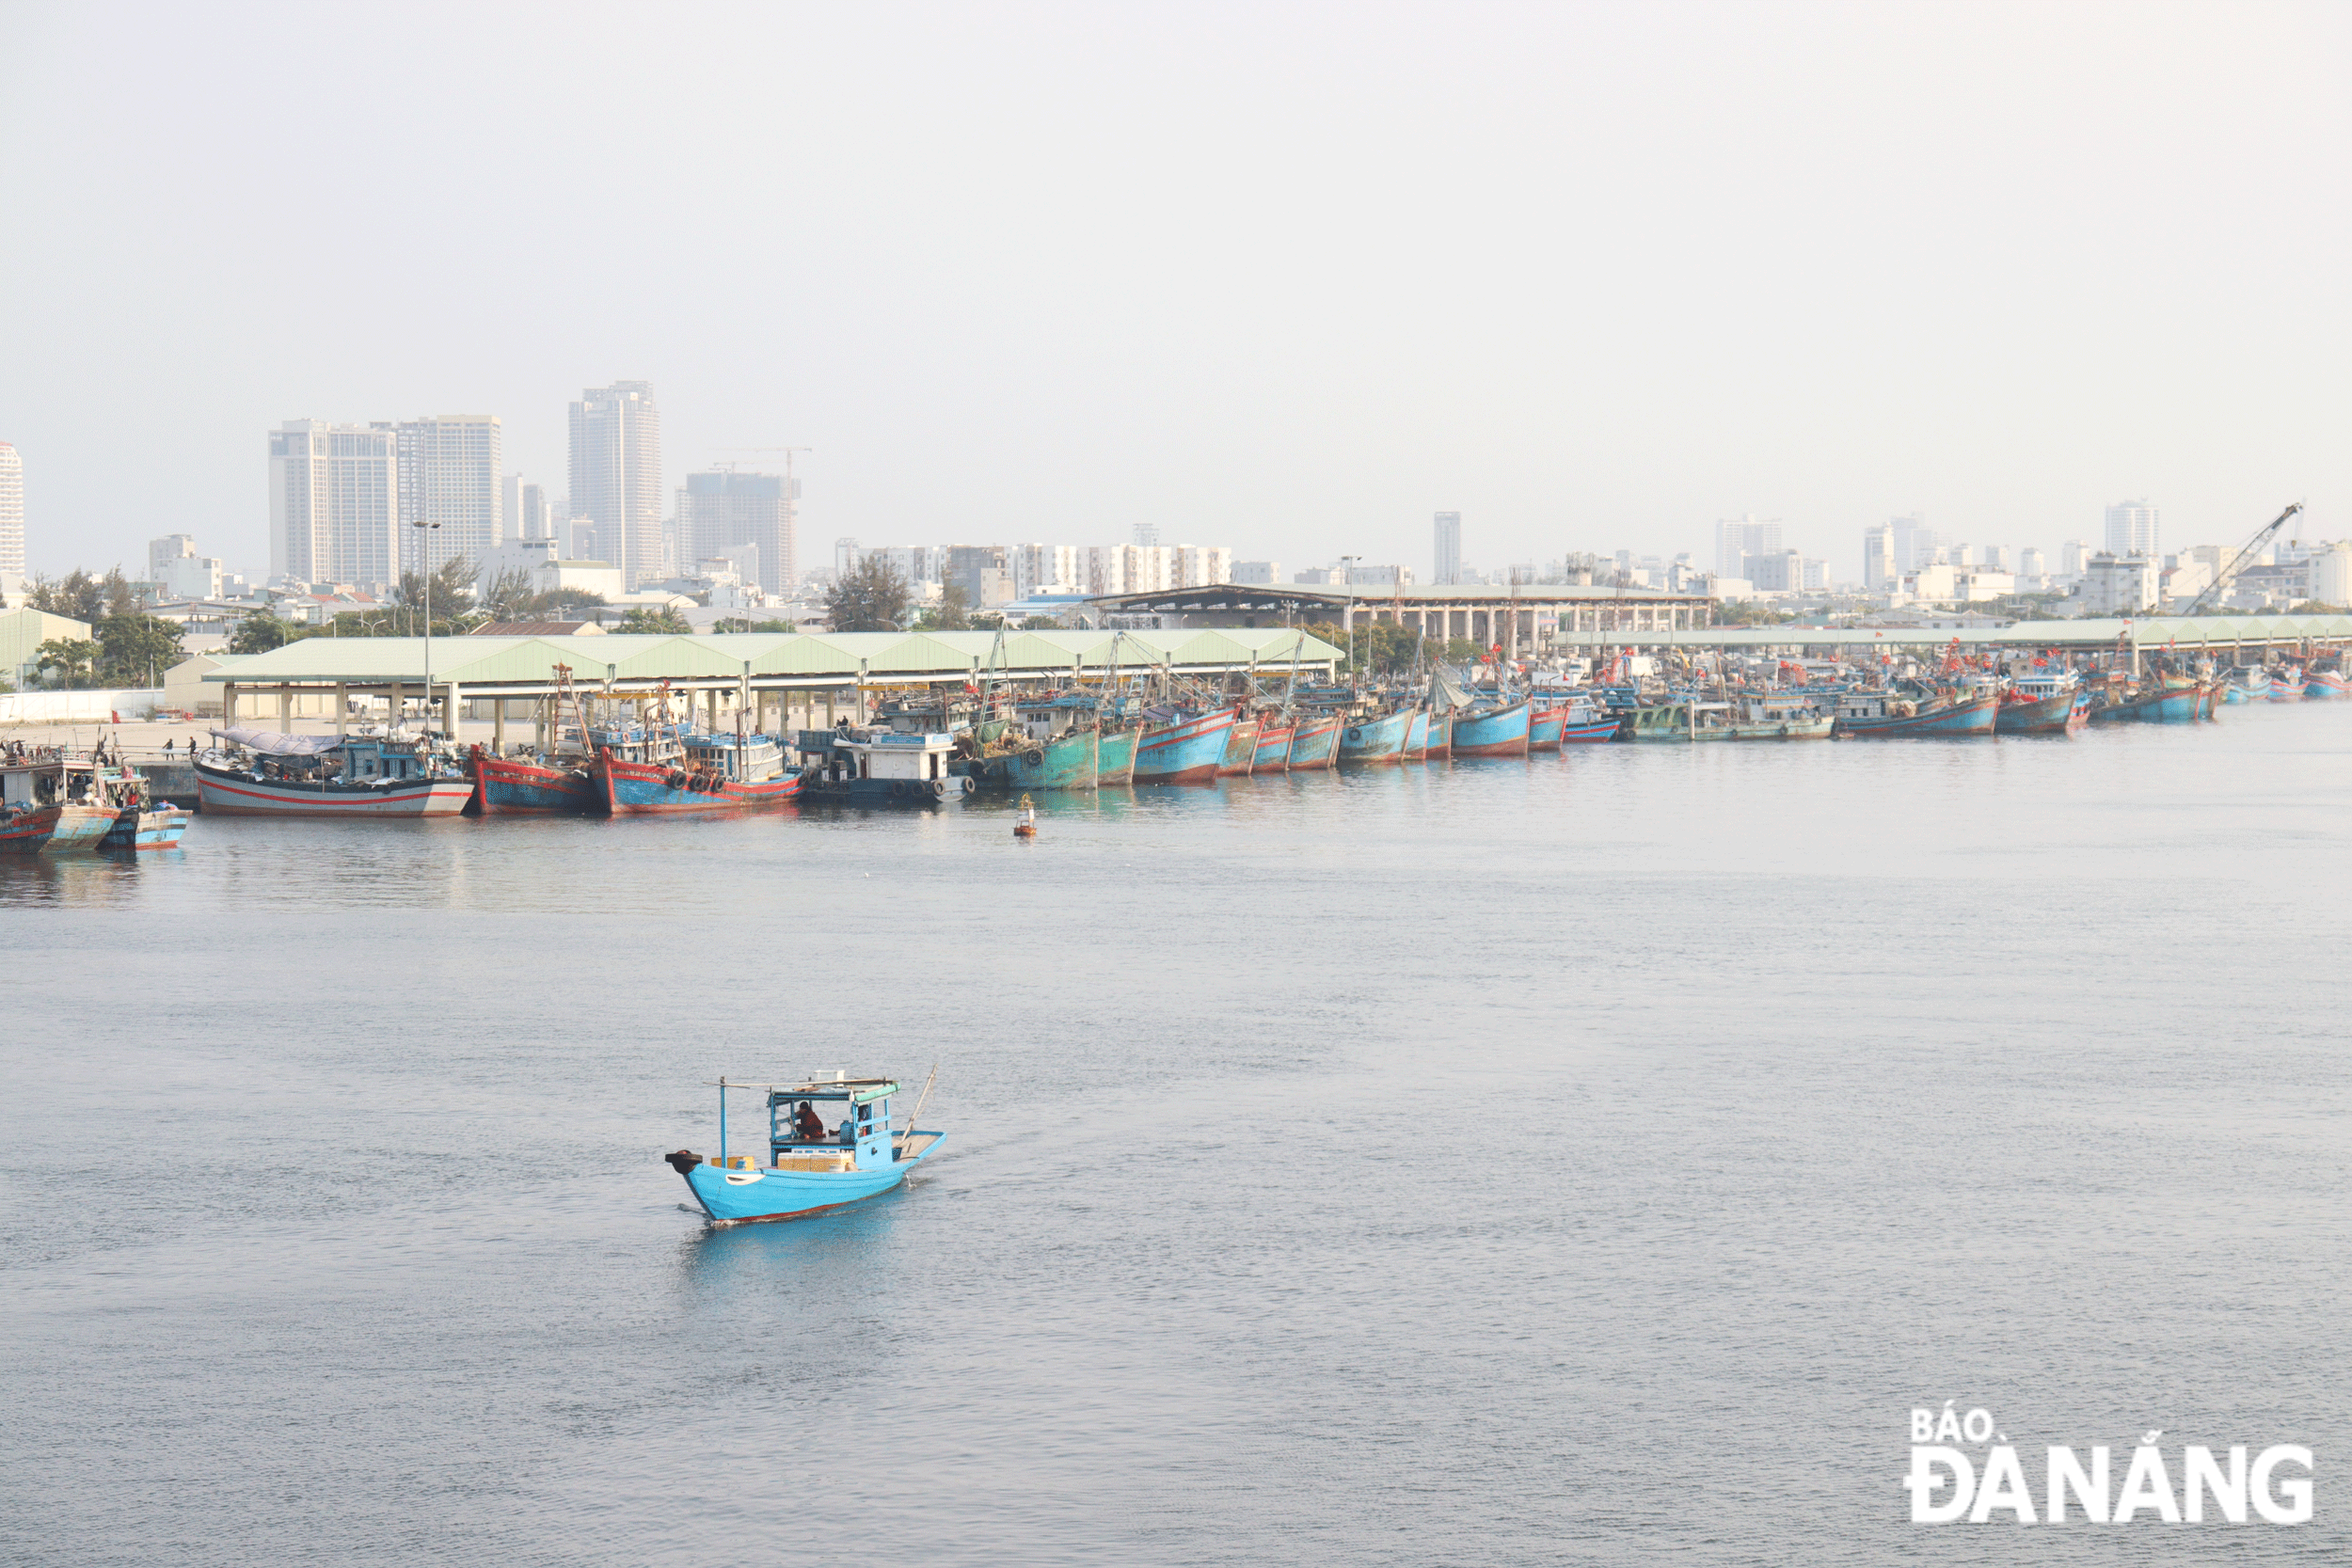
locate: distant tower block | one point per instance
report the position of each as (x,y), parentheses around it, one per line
(11,511)
(1449,548)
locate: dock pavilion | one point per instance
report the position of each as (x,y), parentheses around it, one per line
(2234,638)
(806,680)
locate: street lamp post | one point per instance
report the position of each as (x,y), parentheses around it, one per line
(424,570)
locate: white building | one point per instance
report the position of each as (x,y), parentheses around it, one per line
(2074,557)
(334,491)
(178,572)
(922,567)
(523,509)
(616,475)
(1449,550)
(1776,571)
(449,479)
(1879,568)
(2132,530)
(11,512)
(1202,565)
(1916,544)
(2331,574)
(717,511)
(2116,585)
(1264,572)
(2029,563)
(1737,539)
(1046,569)
(1129,569)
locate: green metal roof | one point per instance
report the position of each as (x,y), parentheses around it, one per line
(504,661)
(2188,631)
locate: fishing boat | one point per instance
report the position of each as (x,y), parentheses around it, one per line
(262,773)
(2325,684)
(1588,723)
(1544,723)
(2044,702)
(1315,743)
(1892,715)
(708,772)
(1115,757)
(1492,732)
(1441,746)
(1176,749)
(1417,737)
(1052,743)
(869,766)
(1374,740)
(2151,702)
(25,829)
(2248,683)
(804,1167)
(531,785)
(140,822)
(1241,748)
(2286,685)
(53,803)
(1272,753)
(1744,719)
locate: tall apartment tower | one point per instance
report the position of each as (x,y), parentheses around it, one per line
(2131,528)
(720,511)
(616,476)
(1449,548)
(334,495)
(1879,570)
(11,511)
(523,510)
(1046,569)
(448,477)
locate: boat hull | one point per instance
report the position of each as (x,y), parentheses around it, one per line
(647,789)
(2177,704)
(1315,746)
(1375,740)
(741,1197)
(1440,742)
(2062,713)
(1502,733)
(1241,748)
(80,828)
(1115,757)
(1544,728)
(223,793)
(1187,752)
(133,828)
(1066,762)
(507,787)
(1590,732)
(1272,753)
(2285,691)
(2324,686)
(1963,720)
(24,831)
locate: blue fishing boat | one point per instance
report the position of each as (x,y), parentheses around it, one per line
(1241,748)
(1588,723)
(1417,736)
(807,1167)
(1439,746)
(1866,715)
(1315,743)
(1543,726)
(2326,684)
(1051,744)
(1177,750)
(1492,732)
(1375,740)
(1115,757)
(2044,701)
(1272,751)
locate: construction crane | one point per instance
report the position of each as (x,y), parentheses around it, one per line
(2244,553)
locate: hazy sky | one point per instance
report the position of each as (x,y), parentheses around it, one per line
(1285,278)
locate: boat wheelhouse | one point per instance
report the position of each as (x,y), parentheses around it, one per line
(877,767)
(831,1140)
(710,772)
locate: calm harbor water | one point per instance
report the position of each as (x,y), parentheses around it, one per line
(1590,1160)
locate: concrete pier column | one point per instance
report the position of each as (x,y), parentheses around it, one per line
(227,704)
(498,727)
(285,710)
(342,707)
(393,698)
(450,711)
(540,724)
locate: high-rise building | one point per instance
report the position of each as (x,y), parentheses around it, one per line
(2029,563)
(1200,565)
(2073,557)
(449,480)
(1879,568)
(334,493)
(1449,548)
(1046,569)
(1736,539)
(717,511)
(1916,544)
(2131,528)
(11,511)
(1257,572)
(1128,569)
(533,519)
(616,476)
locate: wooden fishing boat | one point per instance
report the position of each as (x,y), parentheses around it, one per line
(2043,702)
(1241,748)
(1589,723)
(1052,743)
(2151,703)
(2249,683)
(1181,750)
(1272,753)
(2325,684)
(794,1171)
(26,827)
(1492,732)
(1867,715)
(1315,744)
(876,767)
(710,772)
(260,773)
(1440,742)
(1115,757)
(1544,725)
(1375,740)
(1417,736)
(2286,685)
(51,803)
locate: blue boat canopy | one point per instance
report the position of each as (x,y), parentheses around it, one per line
(857,1091)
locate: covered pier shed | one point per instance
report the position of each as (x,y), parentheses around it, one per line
(2234,637)
(828,672)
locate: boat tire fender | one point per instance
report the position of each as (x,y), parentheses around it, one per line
(939,789)
(971,788)
(1034,756)
(683,1159)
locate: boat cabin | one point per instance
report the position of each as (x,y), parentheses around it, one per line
(751,759)
(887,758)
(1046,719)
(849,1126)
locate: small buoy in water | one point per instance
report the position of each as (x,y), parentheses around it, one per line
(1025,825)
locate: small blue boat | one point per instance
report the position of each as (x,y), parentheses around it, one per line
(807,1167)
(1178,749)
(1871,715)
(1375,740)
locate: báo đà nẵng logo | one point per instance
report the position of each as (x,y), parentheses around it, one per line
(2195,1486)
